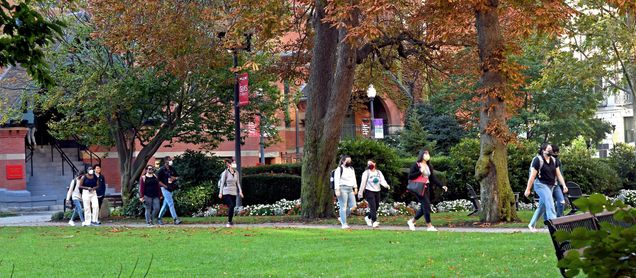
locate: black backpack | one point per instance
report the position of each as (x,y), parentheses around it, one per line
(331,180)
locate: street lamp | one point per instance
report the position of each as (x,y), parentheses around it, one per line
(371,92)
(237,111)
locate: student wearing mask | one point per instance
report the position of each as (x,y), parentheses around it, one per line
(168,177)
(229,187)
(422,172)
(370,184)
(558,189)
(345,184)
(89,184)
(546,168)
(75,197)
(149,194)
(101,191)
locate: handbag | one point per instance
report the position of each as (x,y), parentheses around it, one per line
(418,188)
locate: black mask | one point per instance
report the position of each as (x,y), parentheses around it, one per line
(348,164)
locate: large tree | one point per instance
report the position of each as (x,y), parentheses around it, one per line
(136,85)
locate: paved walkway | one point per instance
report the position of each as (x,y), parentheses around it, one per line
(43,219)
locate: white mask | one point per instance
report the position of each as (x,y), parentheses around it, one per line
(233,165)
(427,157)
(90,172)
(170,163)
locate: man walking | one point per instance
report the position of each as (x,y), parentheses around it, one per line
(101,191)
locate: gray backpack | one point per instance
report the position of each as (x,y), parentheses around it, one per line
(541,162)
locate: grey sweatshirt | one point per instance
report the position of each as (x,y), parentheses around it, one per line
(230,184)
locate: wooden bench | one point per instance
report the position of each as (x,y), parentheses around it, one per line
(114,200)
(570,222)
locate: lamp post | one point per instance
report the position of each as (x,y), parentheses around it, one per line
(371,92)
(237,111)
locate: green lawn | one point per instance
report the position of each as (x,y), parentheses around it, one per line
(444,219)
(211,252)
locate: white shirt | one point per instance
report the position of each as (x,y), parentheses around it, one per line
(367,181)
(346,178)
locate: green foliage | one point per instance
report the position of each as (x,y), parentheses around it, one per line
(607,252)
(24,34)
(594,175)
(520,156)
(442,128)
(623,159)
(362,150)
(195,168)
(462,168)
(268,189)
(193,199)
(134,207)
(291,169)
(414,138)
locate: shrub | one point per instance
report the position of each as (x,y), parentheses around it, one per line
(520,156)
(267,189)
(134,207)
(191,200)
(608,252)
(463,158)
(628,197)
(195,167)
(455,205)
(623,158)
(592,174)
(386,158)
(291,169)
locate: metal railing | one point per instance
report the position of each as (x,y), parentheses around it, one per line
(28,150)
(83,148)
(56,145)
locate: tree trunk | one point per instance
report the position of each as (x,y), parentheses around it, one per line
(498,202)
(330,83)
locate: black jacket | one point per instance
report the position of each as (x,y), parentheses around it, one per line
(415,172)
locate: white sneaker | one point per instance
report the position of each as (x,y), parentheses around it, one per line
(411,225)
(84,224)
(345,226)
(340,220)
(431,229)
(71,222)
(228,225)
(376,224)
(532,229)
(369,222)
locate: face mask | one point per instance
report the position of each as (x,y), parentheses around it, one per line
(547,153)
(233,165)
(150,171)
(170,163)
(90,172)
(371,166)
(427,157)
(347,164)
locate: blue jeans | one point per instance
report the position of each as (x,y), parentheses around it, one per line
(167,202)
(346,201)
(546,203)
(559,198)
(78,210)
(151,204)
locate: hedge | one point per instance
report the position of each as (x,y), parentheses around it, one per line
(268,188)
(291,169)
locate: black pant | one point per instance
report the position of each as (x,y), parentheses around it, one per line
(100,200)
(373,199)
(230,201)
(425,206)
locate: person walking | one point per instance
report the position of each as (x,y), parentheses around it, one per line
(101,191)
(370,183)
(229,187)
(546,168)
(422,172)
(89,185)
(168,176)
(345,184)
(558,189)
(149,194)
(73,196)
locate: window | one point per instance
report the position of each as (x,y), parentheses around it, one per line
(629,129)
(602,150)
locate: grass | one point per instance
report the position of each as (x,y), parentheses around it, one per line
(443,219)
(212,252)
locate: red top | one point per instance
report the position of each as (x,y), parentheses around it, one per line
(421,178)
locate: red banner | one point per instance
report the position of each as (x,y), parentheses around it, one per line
(15,172)
(244,96)
(253,128)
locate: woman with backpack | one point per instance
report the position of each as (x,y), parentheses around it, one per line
(89,184)
(150,193)
(547,169)
(345,188)
(229,187)
(422,172)
(73,196)
(370,184)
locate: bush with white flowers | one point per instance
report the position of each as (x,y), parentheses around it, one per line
(455,205)
(628,197)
